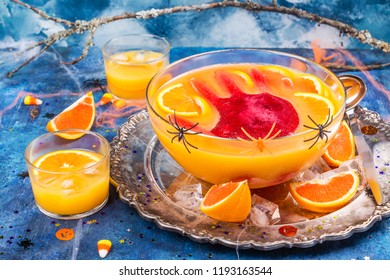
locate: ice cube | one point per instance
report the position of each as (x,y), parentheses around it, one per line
(258,217)
(139,56)
(90,171)
(120,57)
(67,184)
(263,212)
(314,171)
(189,197)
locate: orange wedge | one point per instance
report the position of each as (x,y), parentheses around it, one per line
(326,195)
(228,202)
(176,99)
(342,147)
(80,115)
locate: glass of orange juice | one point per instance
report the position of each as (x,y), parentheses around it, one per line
(130,62)
(69,177)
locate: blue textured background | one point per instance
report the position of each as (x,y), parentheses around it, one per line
(59,85)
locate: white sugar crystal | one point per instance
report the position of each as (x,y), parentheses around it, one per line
(189,197)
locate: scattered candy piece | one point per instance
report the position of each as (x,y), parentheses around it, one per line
(119,103)
(31,100)
(106,98)
(288,231)
(104,247)
(65,234)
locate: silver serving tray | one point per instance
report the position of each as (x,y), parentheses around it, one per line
(146,177)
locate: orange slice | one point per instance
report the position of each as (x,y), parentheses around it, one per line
(342,147)
(319,106)
(310,83)
(326,195)
(67,160)
(228,202)
(248,80)
(278,69)
(175,99)
(80,115)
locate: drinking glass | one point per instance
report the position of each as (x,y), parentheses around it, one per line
(131,61)
(69,177)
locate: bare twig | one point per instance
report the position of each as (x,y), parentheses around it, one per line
(43,14)
(334,66)
(88,45)
(81,26)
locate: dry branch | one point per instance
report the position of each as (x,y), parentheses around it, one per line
(81,26)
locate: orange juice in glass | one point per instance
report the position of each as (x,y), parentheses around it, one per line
(130,62)
(245,114)
(69,177)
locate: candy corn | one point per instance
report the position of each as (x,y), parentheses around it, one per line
(104,247)
(31,100)
(106,98)
(119,103)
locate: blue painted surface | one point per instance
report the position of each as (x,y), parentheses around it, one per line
(59,85)
(132,237)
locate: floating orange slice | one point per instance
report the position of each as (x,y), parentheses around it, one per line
(228,202)
(342,147)
(176,99)
(320,106)
(312,82)
(67,160)
(326,195)
(80,115)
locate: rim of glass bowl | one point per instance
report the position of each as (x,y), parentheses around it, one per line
(279,53)
(55,133)
(165,54)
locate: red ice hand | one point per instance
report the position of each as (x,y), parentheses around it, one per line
(255,113)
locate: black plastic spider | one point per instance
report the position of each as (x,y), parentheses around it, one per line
(368,191)
(322,132)
(25,243)
(181,132)
(95,83)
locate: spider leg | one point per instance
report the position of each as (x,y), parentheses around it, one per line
(327,138)
(315,142)
(317,125)
(185,145)
(328,121)
(175,119)
(172,132)
(307,140)
(248,135)
(174,125)
(185,140)
(173,138)
(270,132)
(101,88)
(187,129)
(316,128)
